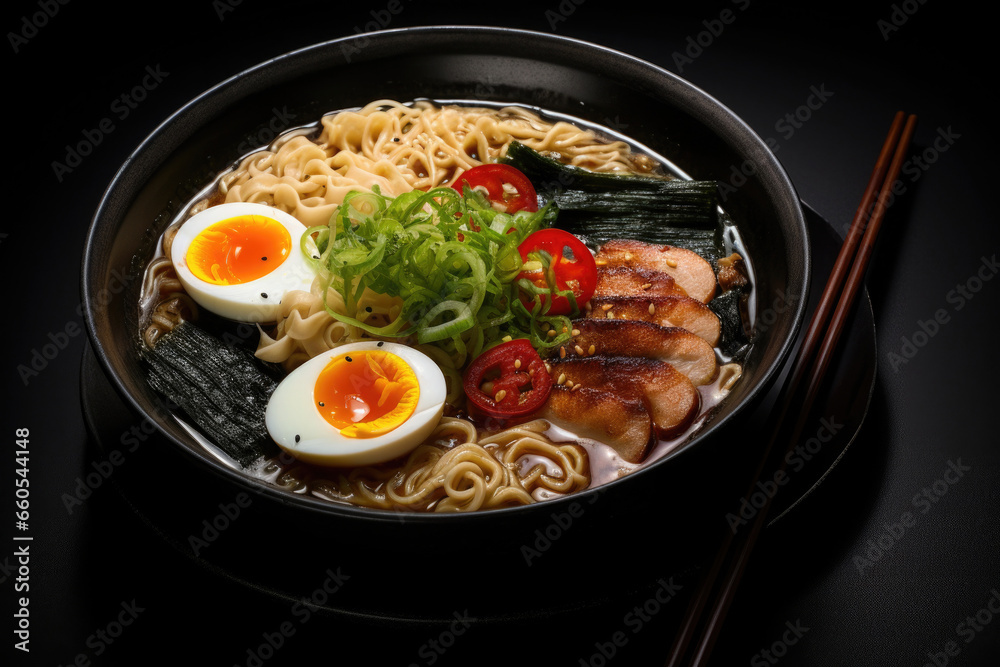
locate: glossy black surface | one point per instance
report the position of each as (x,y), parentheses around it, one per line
(930,407)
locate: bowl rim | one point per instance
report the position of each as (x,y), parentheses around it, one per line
(740,134)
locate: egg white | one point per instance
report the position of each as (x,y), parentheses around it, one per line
(244,302)
(296,425)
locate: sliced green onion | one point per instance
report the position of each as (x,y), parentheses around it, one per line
(450,258)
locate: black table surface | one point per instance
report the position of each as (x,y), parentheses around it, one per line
(893,561)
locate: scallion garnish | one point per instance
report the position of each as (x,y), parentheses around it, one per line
(448,257)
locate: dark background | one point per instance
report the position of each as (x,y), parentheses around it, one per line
(936,407)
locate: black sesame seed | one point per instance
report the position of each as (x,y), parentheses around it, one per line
(368,309)
(321,404)
(297,438)
(396,139)
(263,295)
(264,258)
(381,343)
(348,358)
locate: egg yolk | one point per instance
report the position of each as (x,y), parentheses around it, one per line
(238,250)
(366,393)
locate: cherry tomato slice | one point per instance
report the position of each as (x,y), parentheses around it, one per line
(493,177)
(516,382)
(576,272)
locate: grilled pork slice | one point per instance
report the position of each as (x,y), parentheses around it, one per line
(629,281)
(622,422)
(683,350)
(667,311)
(671,398)
(691,271)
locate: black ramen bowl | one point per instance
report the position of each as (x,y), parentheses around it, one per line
(622,537)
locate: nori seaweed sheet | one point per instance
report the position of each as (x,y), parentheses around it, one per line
(727,306)
(600,207)
(705,242)
(222,388)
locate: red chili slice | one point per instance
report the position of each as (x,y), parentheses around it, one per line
(493,177)
(516,379)
(576,272)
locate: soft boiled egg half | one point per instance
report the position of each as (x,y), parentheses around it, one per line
(237,260)
(357,404)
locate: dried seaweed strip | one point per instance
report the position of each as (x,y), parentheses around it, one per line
(729,307)
(223,389)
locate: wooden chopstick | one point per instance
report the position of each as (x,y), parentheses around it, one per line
(815,353)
